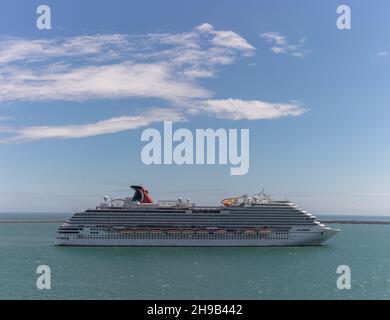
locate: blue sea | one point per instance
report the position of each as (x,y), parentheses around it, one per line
(193,273)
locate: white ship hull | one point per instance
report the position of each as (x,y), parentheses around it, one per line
(312,238)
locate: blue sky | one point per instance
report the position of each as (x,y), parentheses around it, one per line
(315,98)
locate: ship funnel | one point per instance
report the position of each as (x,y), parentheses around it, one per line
(141,195)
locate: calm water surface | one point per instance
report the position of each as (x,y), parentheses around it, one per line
(194,273)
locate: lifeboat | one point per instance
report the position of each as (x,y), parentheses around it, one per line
(202,231)
(187,231)
(155,231)
(118,227)
(264,231)
(220,231)
(127,231)
(250,231)
(173,231)
(139,231)
(230,201)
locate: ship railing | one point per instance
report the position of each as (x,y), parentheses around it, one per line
(175,203)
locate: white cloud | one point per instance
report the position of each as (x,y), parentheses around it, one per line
(166,66)
(205,27)
(230,109)
(236,109)
(21,49)
(302,40)
(383,53)
(298,54)
(226,38)
(282,46)
(158,65)
(278,50)
(108,126)
(199,73)
(98,82)
(232,40)
(275,37)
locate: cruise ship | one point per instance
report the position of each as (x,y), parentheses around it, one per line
(238,221)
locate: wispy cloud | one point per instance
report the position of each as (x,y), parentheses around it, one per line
(383,53)
(167,66)
(227,39)
(230,109)
(116,66)
(31,50)
(280,45)
(236,109)
(97,82)
(112,125)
